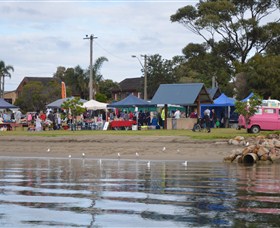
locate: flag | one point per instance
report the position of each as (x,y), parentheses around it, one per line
(63,90)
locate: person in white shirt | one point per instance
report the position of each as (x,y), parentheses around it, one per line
(177,114)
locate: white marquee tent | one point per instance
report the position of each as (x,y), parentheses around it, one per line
(94,105)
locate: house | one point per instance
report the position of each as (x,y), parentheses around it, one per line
(44,80)
(11,96)
(129,86)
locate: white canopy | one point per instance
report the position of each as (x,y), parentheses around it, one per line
(94,105)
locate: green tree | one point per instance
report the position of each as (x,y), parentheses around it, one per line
(77,79)
(97,76)
(35,95)
(32,97)
(261,74)
(74,106)
(232,28)
(4,72)
(105,87)
(160,71)
(203,65)
(248,109)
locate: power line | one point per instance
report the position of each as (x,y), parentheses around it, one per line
(110,53)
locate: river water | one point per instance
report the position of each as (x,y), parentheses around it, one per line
(135,193)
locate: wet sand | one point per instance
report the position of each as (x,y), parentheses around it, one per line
(108,147)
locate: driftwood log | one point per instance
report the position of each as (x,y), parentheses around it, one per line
(256,149)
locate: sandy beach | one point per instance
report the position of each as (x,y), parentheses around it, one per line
(108,147)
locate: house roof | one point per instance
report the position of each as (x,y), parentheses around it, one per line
(214,92)
(43,80)
(181,94)
(130,84)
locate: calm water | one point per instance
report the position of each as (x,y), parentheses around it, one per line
(112,193)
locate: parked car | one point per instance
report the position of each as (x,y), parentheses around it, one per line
(265,119)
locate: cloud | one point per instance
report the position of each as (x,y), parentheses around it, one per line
(37,37)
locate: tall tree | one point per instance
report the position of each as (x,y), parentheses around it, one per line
(105,87)
(261,74)
(234,28)
(77,79)
(160,71)
(203,65)
(32,98)
(35,95)
(4,72)
(97,76)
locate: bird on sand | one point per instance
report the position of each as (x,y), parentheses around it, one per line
(185,163)
(83,154)
(148,164)
(69,156)
(163,149)
(137,155)
(48,150)
(119,155)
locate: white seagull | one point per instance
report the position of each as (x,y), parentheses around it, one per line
(83,154)
(69,156)
(163,149)
(148,164)
(137,155)
(185,163)
(48,150)
(119,155)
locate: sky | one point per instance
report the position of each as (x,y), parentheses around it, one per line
(38,36)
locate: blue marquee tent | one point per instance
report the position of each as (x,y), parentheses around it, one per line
(223,100)
(224,107)
(129,101)
(4,104)
(248,97)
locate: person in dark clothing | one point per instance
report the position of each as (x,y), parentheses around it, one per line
(213,118)
(52,119)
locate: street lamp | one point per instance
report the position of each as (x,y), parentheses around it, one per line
(91,37)
(145,73)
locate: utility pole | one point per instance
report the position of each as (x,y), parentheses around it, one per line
(91,92)
(145,73)
(145,76)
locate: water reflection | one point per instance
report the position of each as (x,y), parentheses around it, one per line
(126,193)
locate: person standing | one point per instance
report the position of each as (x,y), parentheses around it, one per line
(18,116)
(38,124)
(214,118)
(163,117)
(207,120)
(177,114)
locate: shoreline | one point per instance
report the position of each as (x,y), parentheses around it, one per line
(166,148)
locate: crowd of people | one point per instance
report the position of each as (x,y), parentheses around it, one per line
(58,119)
(209,119)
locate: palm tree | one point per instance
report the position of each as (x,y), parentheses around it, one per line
(97,77)
(4,72)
